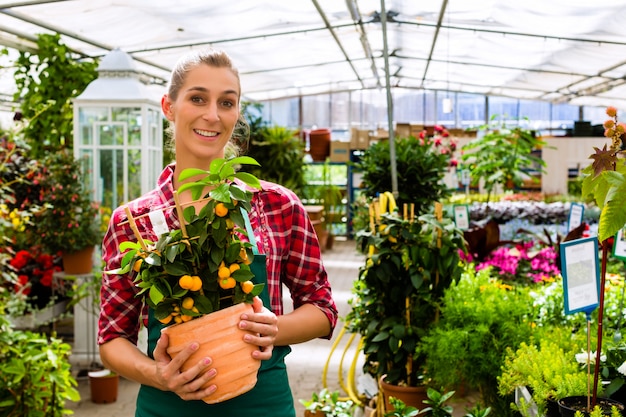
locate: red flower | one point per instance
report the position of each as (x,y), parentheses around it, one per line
(21,259)
(22,282)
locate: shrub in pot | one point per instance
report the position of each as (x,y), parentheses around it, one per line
(398,292)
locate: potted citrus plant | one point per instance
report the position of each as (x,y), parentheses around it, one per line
(200,272)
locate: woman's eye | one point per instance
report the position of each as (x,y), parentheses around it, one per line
(228,103)
(196,99)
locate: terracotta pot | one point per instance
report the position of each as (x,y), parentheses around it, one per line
(79,262)
(569,405)
(220,339)
(413,396)
(103,386)
(319,144)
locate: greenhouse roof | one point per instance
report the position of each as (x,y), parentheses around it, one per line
(563,51)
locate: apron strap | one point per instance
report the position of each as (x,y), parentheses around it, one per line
(249,231)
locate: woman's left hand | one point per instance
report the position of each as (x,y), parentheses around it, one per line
(264,326)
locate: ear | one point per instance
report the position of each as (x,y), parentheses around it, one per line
(166,107)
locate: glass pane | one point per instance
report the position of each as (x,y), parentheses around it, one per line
(316,112)
(87,116)
(111,135)
(134,173)
(86,134)
(112,177)
(85,158)
(132,117)
(339,111)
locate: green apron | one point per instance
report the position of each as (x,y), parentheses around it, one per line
(271,395)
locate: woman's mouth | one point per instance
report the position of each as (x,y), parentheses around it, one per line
(206,133)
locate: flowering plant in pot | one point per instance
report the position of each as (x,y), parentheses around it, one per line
(68,221)
(201,272)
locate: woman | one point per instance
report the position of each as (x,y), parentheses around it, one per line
(202,104)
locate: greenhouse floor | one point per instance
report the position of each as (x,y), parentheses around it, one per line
(305,364)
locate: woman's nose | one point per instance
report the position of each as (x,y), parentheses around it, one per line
(210,112)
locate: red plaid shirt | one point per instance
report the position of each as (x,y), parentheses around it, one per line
(282,230)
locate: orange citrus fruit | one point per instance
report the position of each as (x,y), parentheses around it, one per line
(166,320)
(187,303)
(223,272)
(185,282)
(247,286)
(221,210)
(185,318)
(137,265)
(230,224)
(233,267)
(227,283)
(197,283)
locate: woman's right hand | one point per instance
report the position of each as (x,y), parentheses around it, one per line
(188,384)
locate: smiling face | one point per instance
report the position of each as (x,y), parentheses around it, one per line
(204,111)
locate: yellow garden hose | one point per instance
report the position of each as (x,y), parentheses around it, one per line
(348,387)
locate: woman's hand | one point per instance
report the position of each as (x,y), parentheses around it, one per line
(264,326)
(188,384)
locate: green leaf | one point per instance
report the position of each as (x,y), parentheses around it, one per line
(192,172)
(248,179)
(155,295)
(124,246)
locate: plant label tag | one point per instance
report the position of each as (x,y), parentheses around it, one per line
(581,274)
(619,244)
(575,219)
(159,225)
(461,216)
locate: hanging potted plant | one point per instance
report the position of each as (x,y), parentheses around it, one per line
(199,274)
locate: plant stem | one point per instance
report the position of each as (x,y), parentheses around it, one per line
(605,254)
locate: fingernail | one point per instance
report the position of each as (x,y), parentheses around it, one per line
(212,373)
(206,361)
(242,324)
(194,346)
(247,338)
(244,317)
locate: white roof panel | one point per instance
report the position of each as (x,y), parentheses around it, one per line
(561,50)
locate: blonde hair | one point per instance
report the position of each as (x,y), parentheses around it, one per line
(217,59)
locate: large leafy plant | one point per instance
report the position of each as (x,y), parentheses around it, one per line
(605,179)
(410,263)
(35,373)
(502,155)
(420,165)
(46,81)
(203,266)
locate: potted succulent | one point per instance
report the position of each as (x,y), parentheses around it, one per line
(200,272)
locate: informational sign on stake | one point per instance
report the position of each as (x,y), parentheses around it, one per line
(575,218)
(619,244)
(461,216)
(581,275)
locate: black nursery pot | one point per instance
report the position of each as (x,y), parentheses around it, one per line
(569,405)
